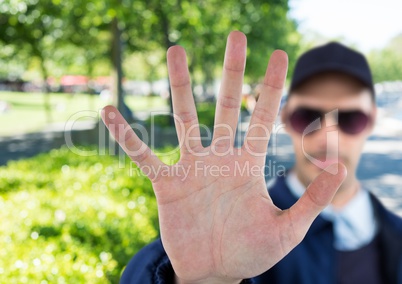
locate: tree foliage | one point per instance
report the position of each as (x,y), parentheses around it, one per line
(386,64)
(49,30)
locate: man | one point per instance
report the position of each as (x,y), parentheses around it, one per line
(355,239)
(223,227)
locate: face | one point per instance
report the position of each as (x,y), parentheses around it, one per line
(341,100)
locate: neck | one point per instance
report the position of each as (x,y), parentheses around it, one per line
(345,193)
(349,188)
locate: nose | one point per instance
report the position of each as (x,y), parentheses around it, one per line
(331,119)
(327,136)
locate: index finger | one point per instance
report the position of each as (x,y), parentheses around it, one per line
(267,107)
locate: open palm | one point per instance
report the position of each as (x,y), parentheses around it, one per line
(217,221)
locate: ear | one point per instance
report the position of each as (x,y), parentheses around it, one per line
(373,115)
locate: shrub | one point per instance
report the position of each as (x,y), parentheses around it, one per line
(205,111)
(72,219)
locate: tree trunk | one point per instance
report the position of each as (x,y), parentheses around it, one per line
(45,90)
(165,28)
(118,96)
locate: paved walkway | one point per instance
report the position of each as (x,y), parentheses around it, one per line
(31,144)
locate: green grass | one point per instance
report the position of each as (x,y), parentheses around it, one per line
(27,113)
(72,219)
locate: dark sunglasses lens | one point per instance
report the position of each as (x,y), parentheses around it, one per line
(353,122)
(301,118)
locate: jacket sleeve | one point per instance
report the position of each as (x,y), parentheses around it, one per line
(151,265)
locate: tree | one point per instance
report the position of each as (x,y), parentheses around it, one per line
(113,29)
(35,28)
(386,64)
(202,26)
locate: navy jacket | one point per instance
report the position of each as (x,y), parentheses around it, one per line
(313,261)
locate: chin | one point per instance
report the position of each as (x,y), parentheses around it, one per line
(311,171)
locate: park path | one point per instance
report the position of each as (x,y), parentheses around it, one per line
(31,144)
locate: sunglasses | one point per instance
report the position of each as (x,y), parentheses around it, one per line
(349,121)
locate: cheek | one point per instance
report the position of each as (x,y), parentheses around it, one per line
(308,144)
(352,146)
(350,149)
(299,146)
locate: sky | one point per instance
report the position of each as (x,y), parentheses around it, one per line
(367,24)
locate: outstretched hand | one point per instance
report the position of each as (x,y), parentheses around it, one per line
(219,223)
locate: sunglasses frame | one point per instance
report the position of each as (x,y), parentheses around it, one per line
(341,120)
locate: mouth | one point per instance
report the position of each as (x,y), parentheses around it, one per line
(324,161)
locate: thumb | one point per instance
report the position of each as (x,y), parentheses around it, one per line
(316,197)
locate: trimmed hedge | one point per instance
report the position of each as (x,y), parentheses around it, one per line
(205,112)
(72,219)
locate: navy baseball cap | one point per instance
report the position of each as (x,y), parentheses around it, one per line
(332,57)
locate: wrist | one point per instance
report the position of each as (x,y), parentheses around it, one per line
(208,281)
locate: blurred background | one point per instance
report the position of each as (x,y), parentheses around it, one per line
(73,210)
